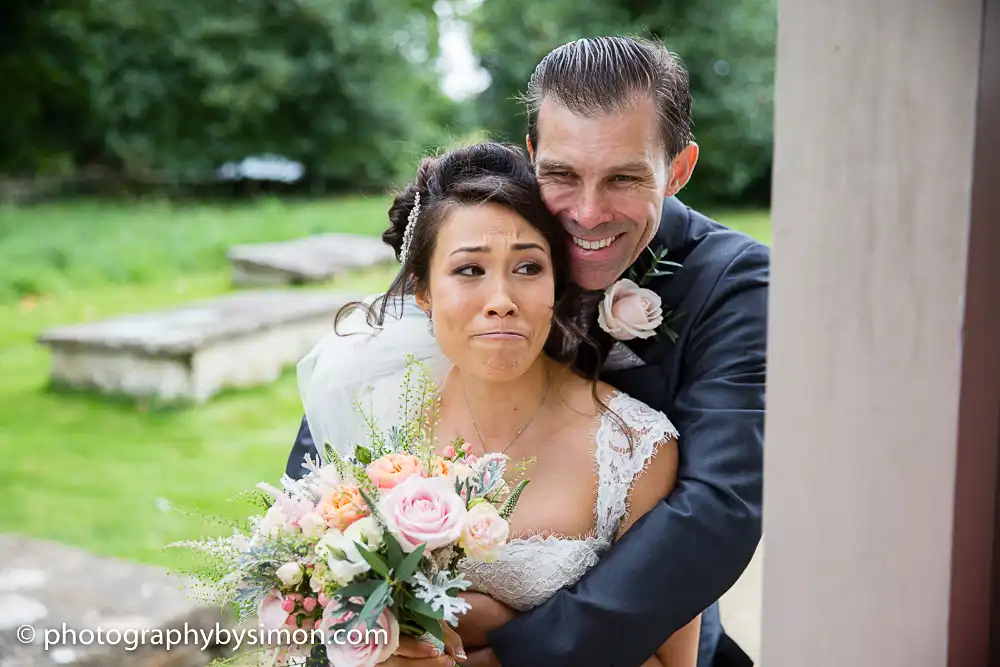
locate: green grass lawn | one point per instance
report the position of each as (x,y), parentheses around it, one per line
(93,472)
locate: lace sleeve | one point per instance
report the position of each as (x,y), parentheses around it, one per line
(619,462)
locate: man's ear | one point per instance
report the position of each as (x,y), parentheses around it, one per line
(681,169)
(531,148)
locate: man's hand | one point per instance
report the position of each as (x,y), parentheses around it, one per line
(485,616)
(484,657)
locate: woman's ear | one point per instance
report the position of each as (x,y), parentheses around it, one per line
(423,302)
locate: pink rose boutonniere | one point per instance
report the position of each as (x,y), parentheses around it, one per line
(631,310)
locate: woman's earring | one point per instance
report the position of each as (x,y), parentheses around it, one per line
(430,324)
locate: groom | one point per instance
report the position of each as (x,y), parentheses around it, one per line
(609,132)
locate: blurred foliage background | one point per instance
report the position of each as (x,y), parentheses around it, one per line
(159,92)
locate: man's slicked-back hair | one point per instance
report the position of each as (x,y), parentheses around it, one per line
(600,75)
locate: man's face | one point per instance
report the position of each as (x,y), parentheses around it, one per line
(605,178)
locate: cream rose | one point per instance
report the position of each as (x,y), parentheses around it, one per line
(629,311)
(484,532)
(290,574)
(313,525)
(365,532)
(276,523)
(424,510)
(342,559)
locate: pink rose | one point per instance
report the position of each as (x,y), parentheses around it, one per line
(629,311)
(271,612)
(484,532)
(389,470)
(359,646)
(424,510)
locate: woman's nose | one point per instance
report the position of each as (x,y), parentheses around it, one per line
(500,303)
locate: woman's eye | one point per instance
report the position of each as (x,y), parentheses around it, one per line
(469,271)
(530,269)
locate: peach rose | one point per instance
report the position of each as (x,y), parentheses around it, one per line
(424,510)
(359,646)
(389,470)
(342,506)
(629,311)
(484,532)
(440,467)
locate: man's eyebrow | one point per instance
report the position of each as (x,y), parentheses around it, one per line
(553,165)
(637,166)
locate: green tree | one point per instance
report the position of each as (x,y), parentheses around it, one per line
(178,87)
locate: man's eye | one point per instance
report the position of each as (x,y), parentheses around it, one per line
(624,178)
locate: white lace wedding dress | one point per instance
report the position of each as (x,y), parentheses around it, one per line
(342,372)
(532,569)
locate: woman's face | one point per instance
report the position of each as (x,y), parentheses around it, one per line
(491,291)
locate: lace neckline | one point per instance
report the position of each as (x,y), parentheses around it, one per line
(618,463)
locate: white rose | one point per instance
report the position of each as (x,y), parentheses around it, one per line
(460,471)
(290,574)
(341,556)
(313,525)
(328,477)
(343,572)
(365,531)
(629,311)
(275,521)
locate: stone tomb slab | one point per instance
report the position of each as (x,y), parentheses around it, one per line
(94,611)
(306,260)
(189,354)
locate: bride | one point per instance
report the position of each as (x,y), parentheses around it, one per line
(488,266)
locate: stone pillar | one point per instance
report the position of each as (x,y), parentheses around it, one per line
(883,426)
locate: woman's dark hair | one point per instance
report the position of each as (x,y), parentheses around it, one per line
(487,172)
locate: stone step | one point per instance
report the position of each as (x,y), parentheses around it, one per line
(191,353)
(61,605)
(306,260)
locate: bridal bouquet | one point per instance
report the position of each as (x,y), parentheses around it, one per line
(364,547)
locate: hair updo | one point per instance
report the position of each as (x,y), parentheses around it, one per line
(487,172)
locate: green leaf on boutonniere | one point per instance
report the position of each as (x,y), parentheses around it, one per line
(658,267)
(666,327)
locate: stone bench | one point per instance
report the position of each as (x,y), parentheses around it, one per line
(46,587)
(191,353)
(306,260)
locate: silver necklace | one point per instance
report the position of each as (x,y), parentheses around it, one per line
(521,430)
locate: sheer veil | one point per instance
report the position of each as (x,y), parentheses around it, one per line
(361,365)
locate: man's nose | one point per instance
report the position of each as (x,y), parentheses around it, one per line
(592,210)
